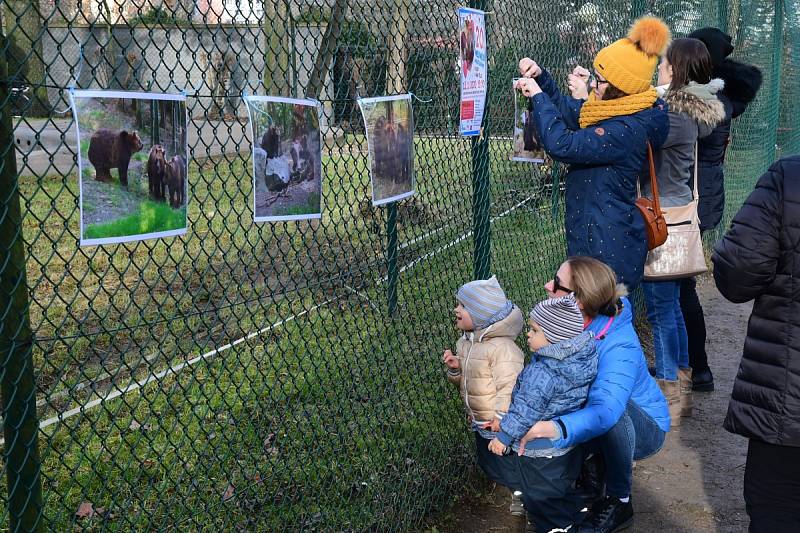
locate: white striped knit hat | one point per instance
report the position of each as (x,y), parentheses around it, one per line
(559,318)
(485,302)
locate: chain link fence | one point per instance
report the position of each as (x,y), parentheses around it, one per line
(286,376)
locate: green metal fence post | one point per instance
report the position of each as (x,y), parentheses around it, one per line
(391,256)
(18,387)
(775,78)
(480,180)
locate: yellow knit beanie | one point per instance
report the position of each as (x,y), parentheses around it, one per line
(628,64)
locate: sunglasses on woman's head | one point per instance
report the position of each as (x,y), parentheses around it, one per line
(557,286)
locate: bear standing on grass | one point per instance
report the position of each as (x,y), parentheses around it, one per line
(175,181)
(156,172)
(113,149)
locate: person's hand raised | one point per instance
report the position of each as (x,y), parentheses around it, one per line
(450,360)
(527,86)
(577,87)
(581,72)
(528,68)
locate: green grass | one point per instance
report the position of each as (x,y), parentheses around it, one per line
(311,206)
(152,217)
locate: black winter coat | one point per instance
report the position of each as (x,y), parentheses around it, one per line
(741,85)
(759,258)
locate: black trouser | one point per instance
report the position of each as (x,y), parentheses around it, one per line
(695,324)
(772,487)
(547,484)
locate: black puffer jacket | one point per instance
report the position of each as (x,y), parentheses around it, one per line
(741,85)
(759,258)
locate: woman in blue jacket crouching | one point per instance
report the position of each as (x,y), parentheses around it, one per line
(625,417)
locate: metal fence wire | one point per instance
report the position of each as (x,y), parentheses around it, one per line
(286,376)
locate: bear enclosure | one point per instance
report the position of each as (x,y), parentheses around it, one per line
(286,376)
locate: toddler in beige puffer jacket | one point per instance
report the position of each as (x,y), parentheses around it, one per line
(487,359)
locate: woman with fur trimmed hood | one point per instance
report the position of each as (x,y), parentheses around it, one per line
(684,78)
(741,86)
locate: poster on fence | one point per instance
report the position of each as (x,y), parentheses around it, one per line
(132,163)
(472,68)
(287,158)
(526,144)
(389,125)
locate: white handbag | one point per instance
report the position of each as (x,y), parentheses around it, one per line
(682,255)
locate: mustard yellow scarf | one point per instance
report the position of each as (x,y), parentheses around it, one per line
(594,111)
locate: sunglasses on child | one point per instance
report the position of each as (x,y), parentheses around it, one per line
(557,286)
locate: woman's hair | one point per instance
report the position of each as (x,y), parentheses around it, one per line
(595,285)
(612,93)
(690,61)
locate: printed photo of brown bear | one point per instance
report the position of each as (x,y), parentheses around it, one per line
(390,138)
(466,46)
(287,158)
(133,165)
(526,143)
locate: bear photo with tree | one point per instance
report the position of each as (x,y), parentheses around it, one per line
(133,165)
(390,137)
(287,158)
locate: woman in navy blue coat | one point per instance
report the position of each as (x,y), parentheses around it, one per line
(604,140)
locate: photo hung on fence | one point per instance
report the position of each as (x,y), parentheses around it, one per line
(526,144)
(389,126)
(132,163)
(287,158)
(466,45)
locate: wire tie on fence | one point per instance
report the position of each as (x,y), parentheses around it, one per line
(195,91)
(76,78)
(480,137)
(420,99)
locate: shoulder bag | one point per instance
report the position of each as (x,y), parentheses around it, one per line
(682,255)
(654,222)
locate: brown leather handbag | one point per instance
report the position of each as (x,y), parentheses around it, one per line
(654,222)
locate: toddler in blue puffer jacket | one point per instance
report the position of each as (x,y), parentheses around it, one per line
(556,381)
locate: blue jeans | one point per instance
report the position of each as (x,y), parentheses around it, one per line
(635,436)
(671,344)
(547,484)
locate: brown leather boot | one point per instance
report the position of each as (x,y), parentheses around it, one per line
(672,392)
(687,400)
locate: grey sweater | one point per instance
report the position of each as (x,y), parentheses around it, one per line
(694,111)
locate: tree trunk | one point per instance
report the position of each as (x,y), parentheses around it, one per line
(278,48)
(734,12)
(395,42)
(22,21)
(326,49)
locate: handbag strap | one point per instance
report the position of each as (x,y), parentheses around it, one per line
(653,181)
(696,194)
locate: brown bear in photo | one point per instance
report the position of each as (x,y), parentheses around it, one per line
(175,181)
(113,149)
(156,170)
(271,142)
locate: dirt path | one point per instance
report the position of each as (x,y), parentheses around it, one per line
(693,484)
